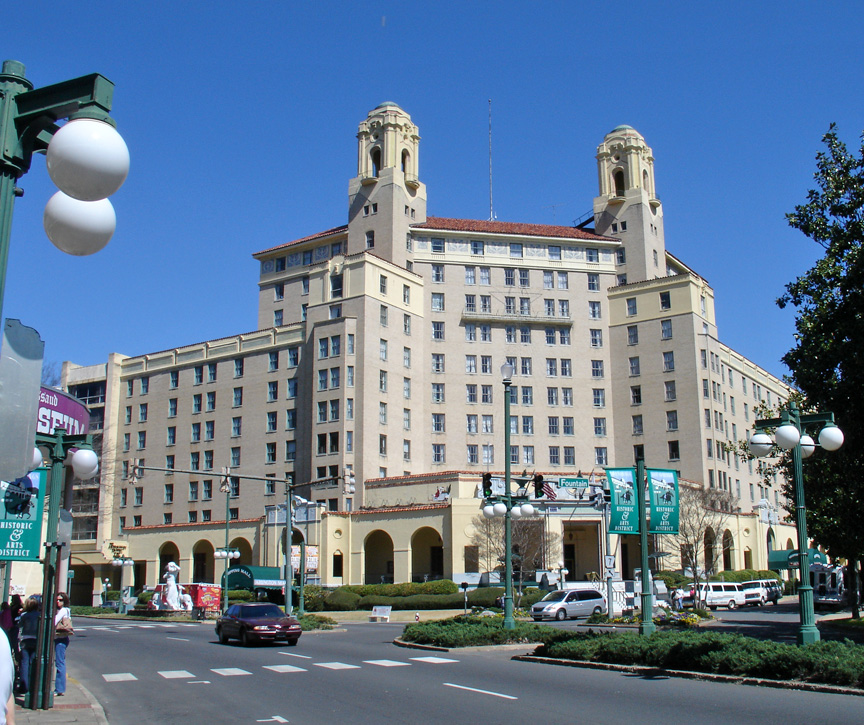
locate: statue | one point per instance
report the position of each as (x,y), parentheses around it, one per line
(186,602)
(172,592)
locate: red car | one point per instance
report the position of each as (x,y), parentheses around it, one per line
(252,623)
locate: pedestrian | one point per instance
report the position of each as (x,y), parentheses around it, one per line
(15,606)
(62,630)
(28,624)
(7,681)
(679,599)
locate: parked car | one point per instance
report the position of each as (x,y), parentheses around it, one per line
(721,594)
(251,623)
(762,591)
(569,604)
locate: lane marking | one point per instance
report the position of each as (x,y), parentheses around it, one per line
(284,668)
(432,660)
(230,672)
(387,663)
(292,654)
(198,682)
(119,677)
(275,718)
(336,666)
(482,692)
(175,674)
(179,639)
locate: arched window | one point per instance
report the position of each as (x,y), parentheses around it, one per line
(406,161)
(645,181)
(376,161)
(618,180)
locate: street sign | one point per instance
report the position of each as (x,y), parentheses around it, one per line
(21,517)
(623,514)
(663,498)
(573,482)
(609,560)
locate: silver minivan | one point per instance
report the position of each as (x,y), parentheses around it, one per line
(569,604)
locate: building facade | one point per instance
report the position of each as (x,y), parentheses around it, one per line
(373,379)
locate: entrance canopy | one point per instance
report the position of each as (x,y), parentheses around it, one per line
(254,577)
(788,558)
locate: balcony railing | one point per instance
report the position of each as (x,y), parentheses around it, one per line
(515,317)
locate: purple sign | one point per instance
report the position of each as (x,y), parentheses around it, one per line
(61,410)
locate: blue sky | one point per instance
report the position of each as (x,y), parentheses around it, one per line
(241,120)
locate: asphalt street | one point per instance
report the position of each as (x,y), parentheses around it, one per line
(161,672)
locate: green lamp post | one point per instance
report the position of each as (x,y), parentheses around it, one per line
(789,435)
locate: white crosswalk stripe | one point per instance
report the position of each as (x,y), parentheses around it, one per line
(119,677)
(284,668)
(231,671)
(336,666)
(433,660)
(176,674)
(386,663)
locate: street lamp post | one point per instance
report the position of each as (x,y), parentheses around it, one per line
(563,571)
(508,505)
(87,158)
(789,435)
(226,553)
(646,624)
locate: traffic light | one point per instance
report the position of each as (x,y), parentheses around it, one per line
(538,485)
(487,485)
(598,499)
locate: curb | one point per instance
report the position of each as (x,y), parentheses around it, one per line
(687,675)
(95,705)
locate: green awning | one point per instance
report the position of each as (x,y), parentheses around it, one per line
(254,577)
(788,558)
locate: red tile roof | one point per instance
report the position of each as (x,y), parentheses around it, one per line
(328,233)
(514,228)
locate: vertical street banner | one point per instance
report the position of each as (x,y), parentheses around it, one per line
(21,517)
(624,510)
(663,498)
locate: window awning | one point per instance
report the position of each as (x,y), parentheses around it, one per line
(254,577)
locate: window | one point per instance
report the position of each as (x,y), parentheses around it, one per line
(632,335)
(526,366)
(211,400)
(527,395)
(665,329)
(593,282)
(637,425)
(142,413)
(382,284)
(437,245)
(438,273)
(634,366)
(127,437)
(668,361)
(476,247)
(592,254)
(169,462)
(438,422)
(238,397)
(596,338)
(471,393)
(470,303)
(277,318)
(525,335)
(485,276)
(515,249)
(270,453)
(172,408)
(437,392)
(173,379)
(438,302)
(382,349)
(208,460)
(600,456)
(594,311)
(553,425)
(370,239)
(563,280)
(487,423)
(674,452)
(145,386)
(194,460)
(382,381)
(599,397)
(438,330)
(671,420)
(196,403)
(471,423)
(238,368)
(383,316)
(528,425)
(438,453)
(209,430)
(596,369)
(486,394)
(635,395)
(524,278)
(631,306)
(665,301)
(551,367)
(142,439)
(600,427)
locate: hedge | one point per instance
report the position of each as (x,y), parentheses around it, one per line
(404,589)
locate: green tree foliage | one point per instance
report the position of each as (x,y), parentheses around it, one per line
(827,361)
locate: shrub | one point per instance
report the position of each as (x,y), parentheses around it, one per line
(145,597)
(112,595)
(84,610)
(473,631)
(745,575)
(485,596)
(341,599)
(240,595)
(308,622)
(405,589)
(313,598)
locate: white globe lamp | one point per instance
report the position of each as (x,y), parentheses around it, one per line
(78,227)
(831,438)
(787,436)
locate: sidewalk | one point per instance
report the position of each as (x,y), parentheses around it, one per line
(76,706)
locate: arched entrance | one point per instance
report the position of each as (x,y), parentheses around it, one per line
(203,562)
(378,558)
(168,552)
(81,584)
(245,549)
(728,551)
(427,555)
(708,542)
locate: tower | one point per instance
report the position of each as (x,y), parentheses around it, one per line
(627,206)
(386,196)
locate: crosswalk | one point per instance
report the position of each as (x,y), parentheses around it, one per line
(277,668)
(154,625)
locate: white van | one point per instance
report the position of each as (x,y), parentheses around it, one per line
(762,591)
(721,594)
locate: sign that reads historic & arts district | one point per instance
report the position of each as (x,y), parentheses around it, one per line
(663,498)
(21,517)
(624,512)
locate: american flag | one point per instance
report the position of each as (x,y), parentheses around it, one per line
(548,491)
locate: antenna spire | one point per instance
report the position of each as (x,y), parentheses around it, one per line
(491,211)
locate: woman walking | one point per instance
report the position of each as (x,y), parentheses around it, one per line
(62,630)
(28,623)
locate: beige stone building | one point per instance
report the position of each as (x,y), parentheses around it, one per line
(373,377)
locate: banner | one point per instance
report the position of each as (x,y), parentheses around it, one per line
(624,512)
(21,517)
(663,499)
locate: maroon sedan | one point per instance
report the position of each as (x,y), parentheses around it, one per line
(251,623)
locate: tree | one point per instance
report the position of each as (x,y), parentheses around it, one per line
(531,546)
(826,362)
(702,519)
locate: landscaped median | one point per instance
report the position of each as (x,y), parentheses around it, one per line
(825,663)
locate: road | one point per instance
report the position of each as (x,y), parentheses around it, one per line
(178,673)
